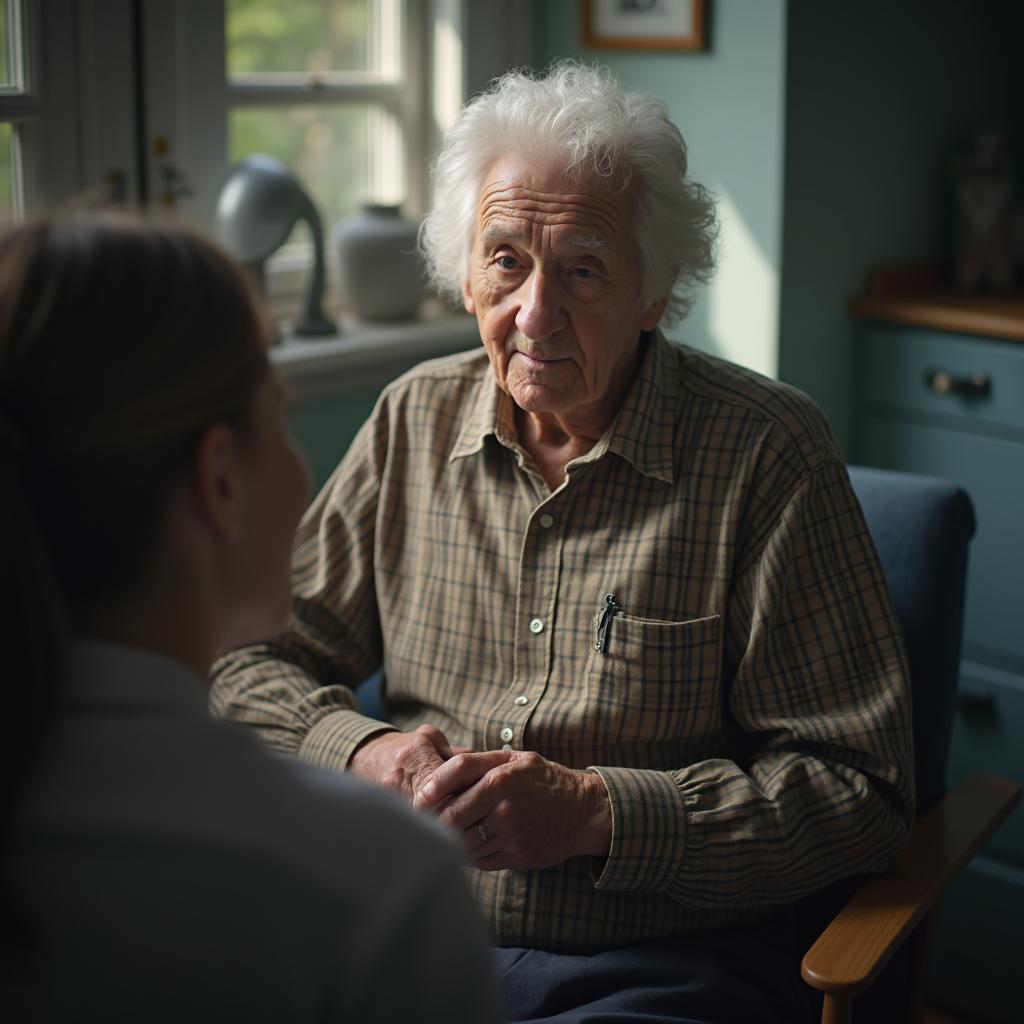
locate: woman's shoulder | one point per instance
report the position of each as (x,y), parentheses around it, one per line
(152,767)
(333,827)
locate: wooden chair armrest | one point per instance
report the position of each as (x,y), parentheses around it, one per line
(856,945)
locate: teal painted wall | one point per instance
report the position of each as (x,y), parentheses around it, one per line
(728,103)
(324,429)
(878,96)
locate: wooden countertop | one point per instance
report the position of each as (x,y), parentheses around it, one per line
(988,316)
(914,296)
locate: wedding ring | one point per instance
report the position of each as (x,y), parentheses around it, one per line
(482,830)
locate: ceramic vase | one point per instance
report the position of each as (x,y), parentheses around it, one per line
(380,271)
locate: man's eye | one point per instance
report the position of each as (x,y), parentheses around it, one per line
(508,262)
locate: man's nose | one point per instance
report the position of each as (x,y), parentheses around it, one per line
(541,313)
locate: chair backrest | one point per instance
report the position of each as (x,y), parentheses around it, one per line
(921,528)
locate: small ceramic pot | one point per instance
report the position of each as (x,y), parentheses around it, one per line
(379,268)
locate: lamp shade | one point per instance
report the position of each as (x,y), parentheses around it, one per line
(257,207)
(258,204)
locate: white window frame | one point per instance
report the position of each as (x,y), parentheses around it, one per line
(398,89)
(189,96)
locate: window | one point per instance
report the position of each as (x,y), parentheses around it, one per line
(331,90)
(15,107)
(334,91)
(40,156)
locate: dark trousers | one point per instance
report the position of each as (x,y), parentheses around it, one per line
(748,975)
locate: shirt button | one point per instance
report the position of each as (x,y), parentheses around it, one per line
(522,699)
(547,521)
(536,626)
(506,734)
(506,746)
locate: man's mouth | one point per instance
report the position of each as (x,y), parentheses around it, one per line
(536,360)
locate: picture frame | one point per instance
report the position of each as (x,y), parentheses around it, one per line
(644,24)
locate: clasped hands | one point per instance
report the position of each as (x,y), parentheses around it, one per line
(535,813)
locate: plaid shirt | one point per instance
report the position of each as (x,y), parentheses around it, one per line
(748,709)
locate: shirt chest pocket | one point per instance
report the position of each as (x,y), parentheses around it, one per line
(655,680)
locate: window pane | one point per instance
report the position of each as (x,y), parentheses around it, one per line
(306,36)
(6,198)
(343,155)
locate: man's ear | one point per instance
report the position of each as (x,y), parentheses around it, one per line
(652,315)
(467,297)
(217,483)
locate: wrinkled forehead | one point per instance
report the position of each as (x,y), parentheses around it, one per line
(518,195)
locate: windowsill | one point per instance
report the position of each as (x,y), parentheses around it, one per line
(368,355)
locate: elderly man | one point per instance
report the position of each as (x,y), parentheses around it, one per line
(637,645)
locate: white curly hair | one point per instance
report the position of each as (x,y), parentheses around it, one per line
(579,113)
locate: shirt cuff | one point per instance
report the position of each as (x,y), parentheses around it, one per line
(648,831)
(333,739)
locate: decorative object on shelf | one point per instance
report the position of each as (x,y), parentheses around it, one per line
(644,24)
(259,203)
(985,196)
(379,267)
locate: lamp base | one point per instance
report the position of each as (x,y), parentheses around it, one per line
(315,327)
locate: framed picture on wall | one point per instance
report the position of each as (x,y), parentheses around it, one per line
(644,24)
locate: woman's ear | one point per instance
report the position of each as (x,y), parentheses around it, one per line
(217,482)
(467,297)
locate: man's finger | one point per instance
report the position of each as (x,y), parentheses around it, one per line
(438,738)
(479,849)
(469,808)
(456,775)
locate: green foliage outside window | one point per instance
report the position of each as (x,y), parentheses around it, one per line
(6,211)
(301,35)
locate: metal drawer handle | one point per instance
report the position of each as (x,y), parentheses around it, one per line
(974,385)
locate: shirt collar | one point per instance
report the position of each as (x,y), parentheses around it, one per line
(642,432)
(135,678)
(489,414)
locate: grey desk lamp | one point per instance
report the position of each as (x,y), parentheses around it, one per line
(258,205)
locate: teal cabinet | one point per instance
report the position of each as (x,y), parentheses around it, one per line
(952,405)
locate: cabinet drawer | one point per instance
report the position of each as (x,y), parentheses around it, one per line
(898,363)
(987,731)
(991,469)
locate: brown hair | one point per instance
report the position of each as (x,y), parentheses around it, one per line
(121,340)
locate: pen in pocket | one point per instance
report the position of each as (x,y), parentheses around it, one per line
(604,625)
